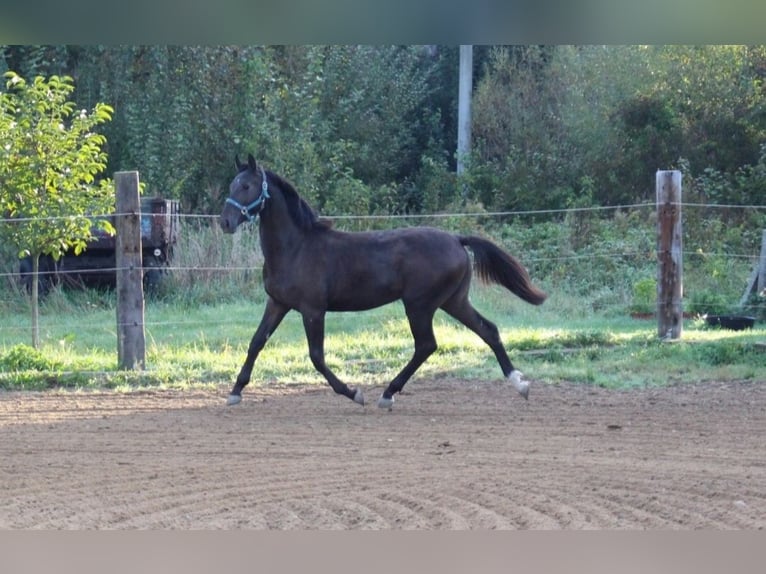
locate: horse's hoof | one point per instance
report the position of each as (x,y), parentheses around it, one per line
(233,400)
(385,403)
(359,397)
(520,385)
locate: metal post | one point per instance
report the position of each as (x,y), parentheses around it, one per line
(464,106)
(762,265)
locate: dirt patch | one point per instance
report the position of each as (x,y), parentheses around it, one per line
(451,455)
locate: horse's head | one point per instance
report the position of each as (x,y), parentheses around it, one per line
(248,193)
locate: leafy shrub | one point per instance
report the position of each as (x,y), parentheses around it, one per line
(644,296)
(706,302)
(350,197)
(26,358)
(437,185)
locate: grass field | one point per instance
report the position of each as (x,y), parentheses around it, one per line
(190,345)
(595,270)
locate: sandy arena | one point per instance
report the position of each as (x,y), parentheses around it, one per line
(451,455)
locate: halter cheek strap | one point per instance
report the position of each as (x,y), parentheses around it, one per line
(247,210)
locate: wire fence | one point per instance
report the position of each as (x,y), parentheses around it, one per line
(437,216)
(231,265)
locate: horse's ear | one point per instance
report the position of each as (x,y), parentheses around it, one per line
(251,162)
(238,163)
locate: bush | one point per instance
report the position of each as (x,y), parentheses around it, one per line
(26,358)
(706,302)
(644,296)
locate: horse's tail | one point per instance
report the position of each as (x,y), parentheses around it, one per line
(492,264)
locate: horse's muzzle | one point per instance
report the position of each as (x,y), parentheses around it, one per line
(227,224)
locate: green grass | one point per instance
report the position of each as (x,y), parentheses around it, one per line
(595,270)
(190,346)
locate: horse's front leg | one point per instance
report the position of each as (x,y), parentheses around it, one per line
(313,323)
(272,317)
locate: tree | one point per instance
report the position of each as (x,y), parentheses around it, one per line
(522,157)
(50,156)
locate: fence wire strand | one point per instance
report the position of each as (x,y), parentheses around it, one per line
(689,251)
(434,215)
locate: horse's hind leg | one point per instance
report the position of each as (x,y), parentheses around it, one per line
(272,317)
(461,309)
(313,324)
(421,325)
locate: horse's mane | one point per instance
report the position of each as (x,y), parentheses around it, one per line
(301,212)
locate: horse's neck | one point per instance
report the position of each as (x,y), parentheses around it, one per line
(280,237)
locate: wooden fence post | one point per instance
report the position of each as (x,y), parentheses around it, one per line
(669,255)
(131,344)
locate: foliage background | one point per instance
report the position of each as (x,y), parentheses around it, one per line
(372,129)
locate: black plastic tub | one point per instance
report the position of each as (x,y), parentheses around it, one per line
(733,322)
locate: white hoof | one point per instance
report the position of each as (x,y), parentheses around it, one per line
(359,397)
(384,403)
(234,400)
(520,385)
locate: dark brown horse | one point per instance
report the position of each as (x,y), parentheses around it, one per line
(312,268)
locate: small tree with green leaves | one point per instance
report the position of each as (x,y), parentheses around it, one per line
(50,156)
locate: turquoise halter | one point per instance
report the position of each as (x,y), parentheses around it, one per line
(247,210)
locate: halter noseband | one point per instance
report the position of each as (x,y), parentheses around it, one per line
(247,209)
